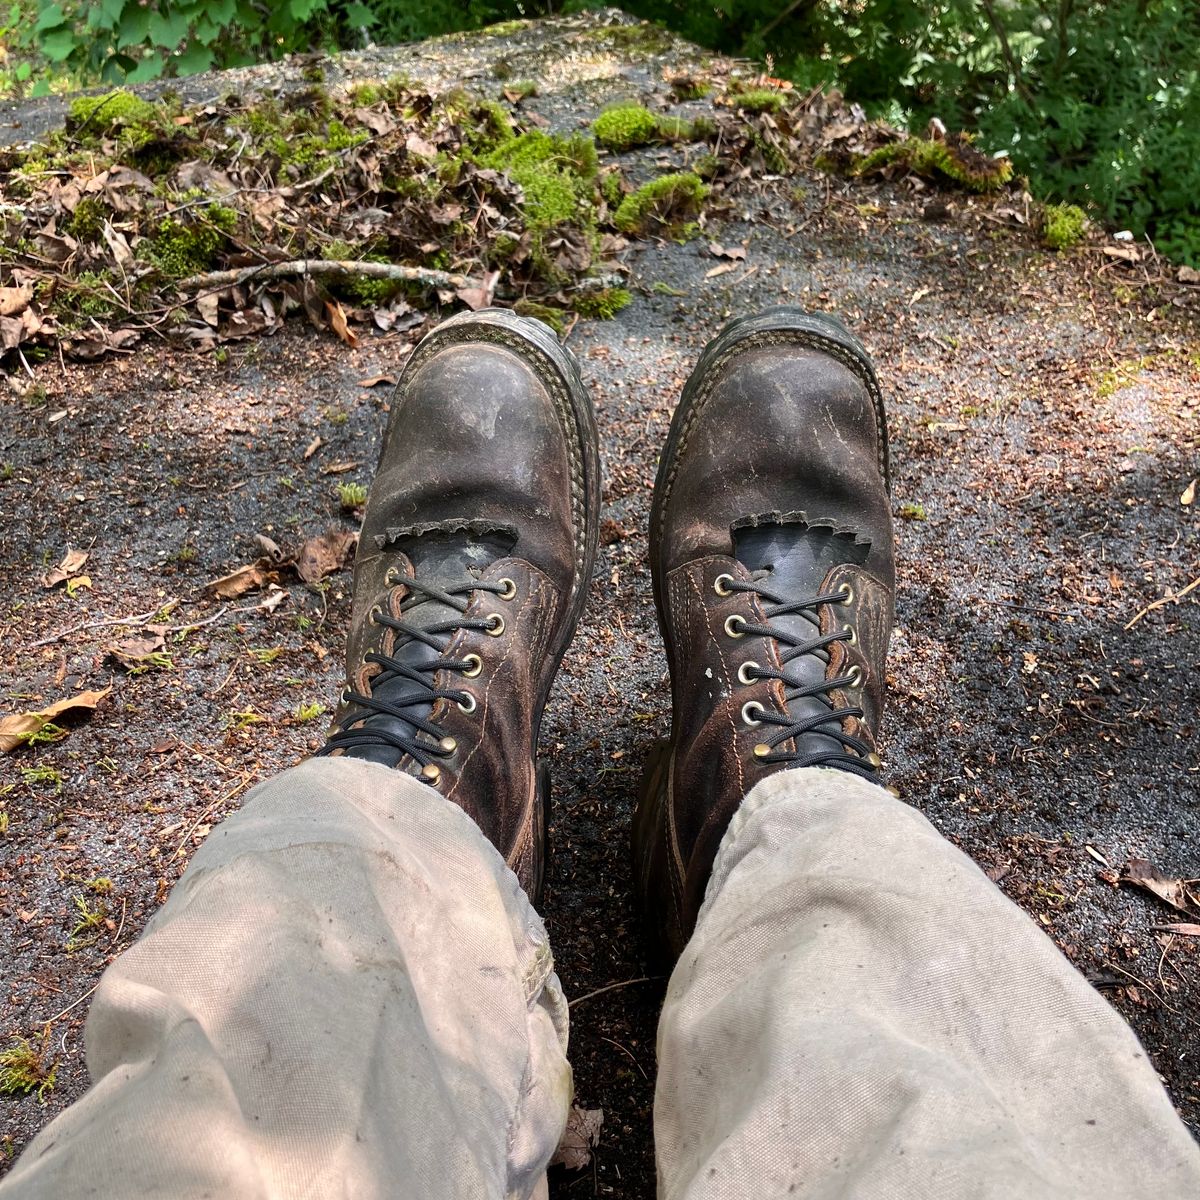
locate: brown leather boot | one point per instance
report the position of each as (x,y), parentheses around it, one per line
(771,551)
(476,552)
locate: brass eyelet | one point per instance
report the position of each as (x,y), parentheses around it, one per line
(856,677)
(762,750)
(846,591)
(469,705)
(734,625)
(721,585)
(744,670)
(390,577)
(345,697)
(851,636)
(874,759)
(475,667)
(510,588)
(448,745)
(431,773)
(749,707)
(495,625)
(376,609)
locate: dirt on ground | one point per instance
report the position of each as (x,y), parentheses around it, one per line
(1044,677)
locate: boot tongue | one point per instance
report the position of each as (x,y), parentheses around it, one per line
(791,559)
(444,560)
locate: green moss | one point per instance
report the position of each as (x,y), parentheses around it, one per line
(488,125)
(662,205)
(180,248)
(101,114)
(503,246)
(603,304)
(503,28)
(644,37)
(365,94)
(1063,225)
(523,89)
(611,188)
(554,317)
(23,1069)
(627,126)
(759,100)
(87,221)
(955,160)
(555,173)
(688,87)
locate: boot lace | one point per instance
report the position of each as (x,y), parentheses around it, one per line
(847,752)
(437,636)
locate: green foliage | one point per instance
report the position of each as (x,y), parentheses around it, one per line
(24,1069)
(1063,225)
(603,304)
(625,126)
(351,495)
(663,205)
(954,160)
(555,173)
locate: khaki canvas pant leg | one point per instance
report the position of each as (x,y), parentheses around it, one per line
(346,995)
(862,1014)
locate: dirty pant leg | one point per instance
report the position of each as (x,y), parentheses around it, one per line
(346,995)
(862,1014)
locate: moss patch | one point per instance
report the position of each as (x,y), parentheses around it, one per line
(603,304)
(663,205)
(554,317)
(954,160)
(630,125)
(758,100)
(1063,225)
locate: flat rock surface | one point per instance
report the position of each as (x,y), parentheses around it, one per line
(1045,421)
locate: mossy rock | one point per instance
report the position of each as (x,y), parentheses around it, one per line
(758,100)
(664,205)
(103,114)
(1063,225)
(954,160)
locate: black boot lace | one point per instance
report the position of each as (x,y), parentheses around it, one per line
(437,636)
(843,750)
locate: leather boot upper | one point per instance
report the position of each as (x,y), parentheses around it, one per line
(772,553)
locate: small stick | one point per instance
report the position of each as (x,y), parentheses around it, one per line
(611,988)
(330,268)
(1170,597)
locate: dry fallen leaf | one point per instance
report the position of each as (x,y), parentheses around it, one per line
(479,295)
(133,652)
(324,554)
(713,272)
(244,579)
(20,727)
(376,380)
(1189,493)
(71,564)
(313,447)
(1145,875)
(1186,928)
(337,319)
(1188,275)
(581,1134)
(15,299)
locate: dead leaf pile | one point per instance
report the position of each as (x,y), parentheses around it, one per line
(311,562)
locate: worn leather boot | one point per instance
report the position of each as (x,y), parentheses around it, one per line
(473,564)
(774,576)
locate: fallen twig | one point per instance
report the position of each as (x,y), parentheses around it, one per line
(1169,598)
(612,987)
(331,268)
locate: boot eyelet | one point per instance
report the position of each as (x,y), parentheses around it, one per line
(762,750)
(744,670)
(391,577)
(721,585)
(851,636)
(469,705)
(376,610)
(855,677)
(846,591)
(510,588)
(345,696)
(748,709)
(734,625)
(476,665)
(448,745)
(431,773)
(874,760)
(495,625)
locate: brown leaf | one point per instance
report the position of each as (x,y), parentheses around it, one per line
(418,146)
(378,119)
(479,296)
(337,318)
(1188,275)
(1188,494)
(208,305)
(20,727)
(133,652)
(324,554)
(376,380)
(338,468)
(15,299)
(71,564)
(581,1134)
(1186,928)
(244,579)
(313,447)
(1145,875)
(1125,253)
(269,547)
